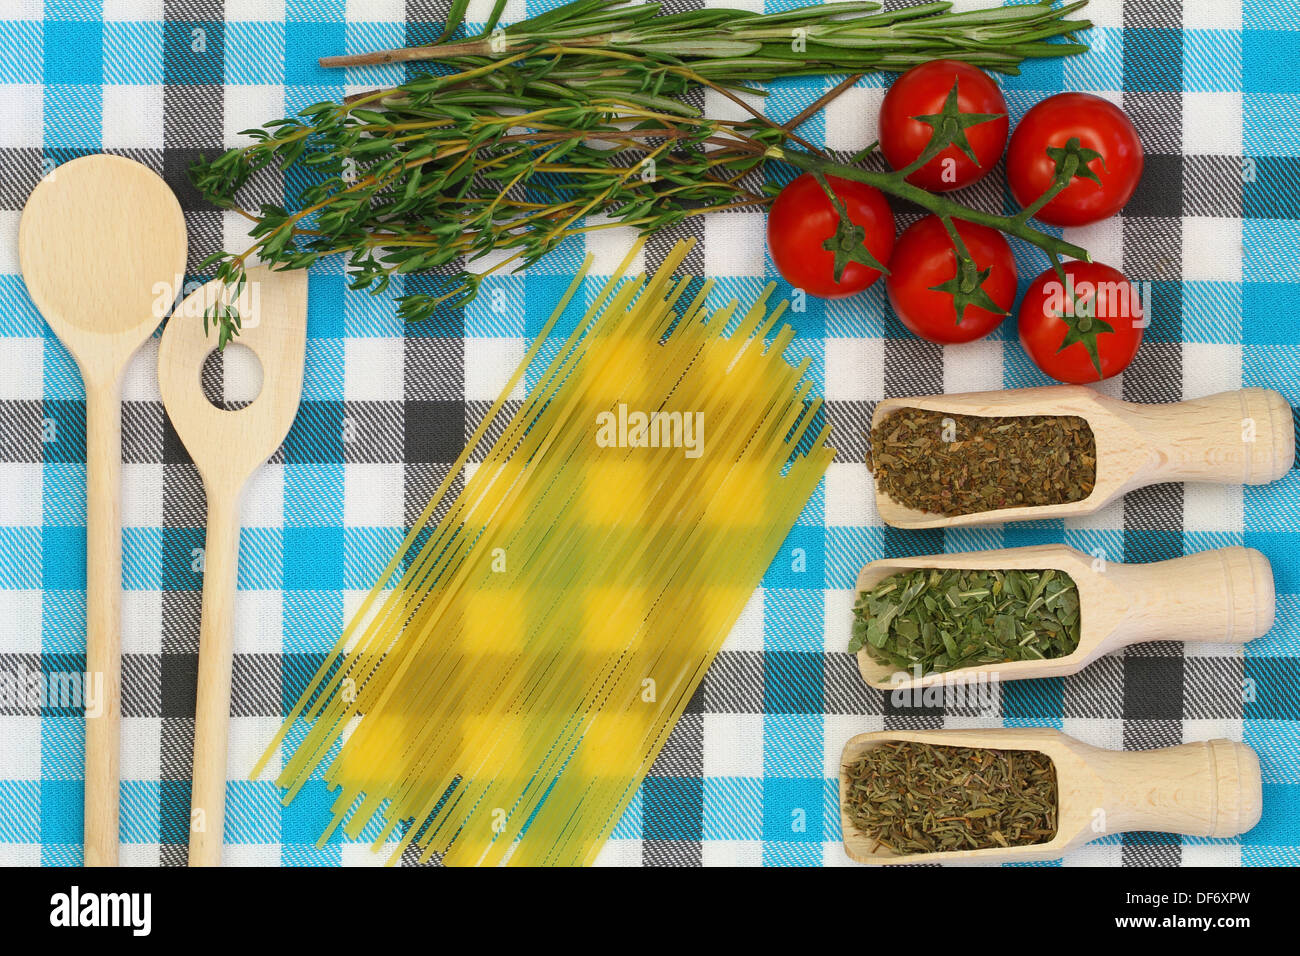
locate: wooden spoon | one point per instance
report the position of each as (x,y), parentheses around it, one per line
(1241,437)
(1211,789)
(227,446)
(1224,596)
(102,248)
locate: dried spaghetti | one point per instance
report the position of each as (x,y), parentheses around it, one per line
(508,682)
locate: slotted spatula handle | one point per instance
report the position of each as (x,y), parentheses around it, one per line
(216,655)
(103,619)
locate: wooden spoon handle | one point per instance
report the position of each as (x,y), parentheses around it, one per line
(216,654)
(1221,596)
(1210,789)
(1241,437)
(103,620)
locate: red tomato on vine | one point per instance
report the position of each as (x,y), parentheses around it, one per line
(1086,328)
(1103,185)
(810,246)
(924,274)
(920,95)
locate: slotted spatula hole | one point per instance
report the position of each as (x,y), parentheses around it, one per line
(231,379)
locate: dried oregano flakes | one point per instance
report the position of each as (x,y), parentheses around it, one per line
(965,464)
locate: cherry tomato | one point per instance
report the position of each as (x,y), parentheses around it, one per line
(921,91)
(1106,311)
(803,218)
(1098,125)
(924,258)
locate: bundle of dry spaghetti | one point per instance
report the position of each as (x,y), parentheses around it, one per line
(507,684)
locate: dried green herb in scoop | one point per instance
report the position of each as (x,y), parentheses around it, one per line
(922,798)
(964,464)
(943,618)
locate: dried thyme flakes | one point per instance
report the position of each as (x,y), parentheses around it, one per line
(922,798)
(964,464)
(943,618)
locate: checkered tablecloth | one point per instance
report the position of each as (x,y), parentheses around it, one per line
(749,775)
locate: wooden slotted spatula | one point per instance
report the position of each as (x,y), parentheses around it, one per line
(102,248)
(227,446)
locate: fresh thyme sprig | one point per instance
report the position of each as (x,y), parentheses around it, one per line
(509,156)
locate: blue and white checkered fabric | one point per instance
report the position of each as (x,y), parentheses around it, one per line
(749,775)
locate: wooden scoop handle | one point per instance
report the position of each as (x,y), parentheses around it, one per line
(1222,596)
(103,619)
(1209,789)
(216,656)
(1241,437)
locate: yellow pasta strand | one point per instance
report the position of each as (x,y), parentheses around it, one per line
(509,681)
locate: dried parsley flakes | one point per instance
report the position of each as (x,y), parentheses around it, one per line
(943,618)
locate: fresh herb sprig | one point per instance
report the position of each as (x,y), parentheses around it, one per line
(508,157)
(939,619)
(736,48)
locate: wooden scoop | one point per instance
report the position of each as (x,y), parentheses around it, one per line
(227,446)
(102,248)
(1224,596)
(1209,789)
(1241,437)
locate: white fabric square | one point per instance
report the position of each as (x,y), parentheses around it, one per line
(376,11)
(25,854)
(237,10)
(248,738)
(839,618)
(609,247)
(20,622)
(735,244)
(1210,368)
(141,622)
(373,369)
(140,381)
(22,498)
(973,366)
(360,854)
(258,617)
(1106,734)
(141,748)
(732,852)
(1211,507)
(23,10)
(855,369)
(489,363)
(373,495)
(133,117)
(850,495)
(1212,854)
(1095,855)
(747,635)
(22,368)
(261,854)
(262,504)
(142,495)
(1104,241)
(623,853)
(128,10)
(1212,249)
(1208,14)
(839,729)
(853,118)
(247,107)
(20,740)
(23,108)
(9,264)
(1212,123)
(733,745)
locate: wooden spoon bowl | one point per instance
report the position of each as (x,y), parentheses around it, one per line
(1241,437)
(1210,789)
(1223,596)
